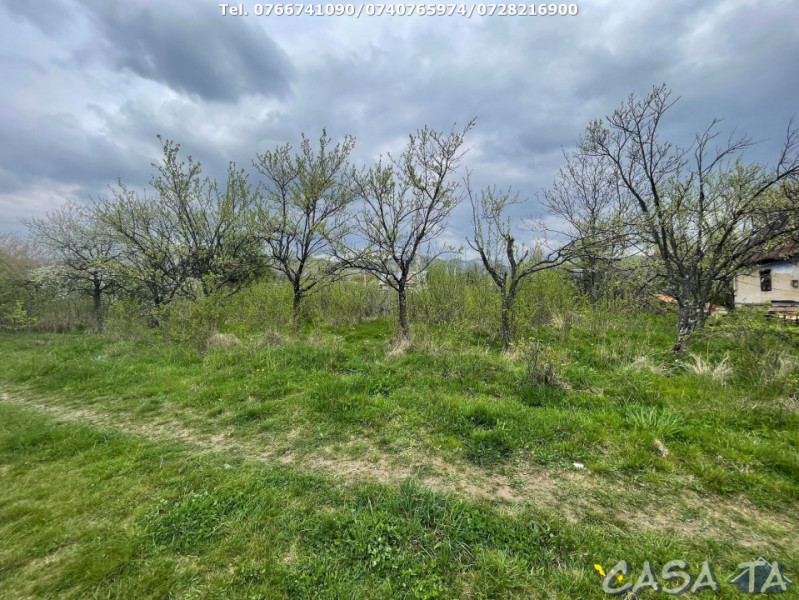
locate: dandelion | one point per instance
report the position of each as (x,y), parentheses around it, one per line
(601,571)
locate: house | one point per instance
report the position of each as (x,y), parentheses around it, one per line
(772,278)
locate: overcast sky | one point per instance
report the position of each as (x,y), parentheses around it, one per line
(87,84)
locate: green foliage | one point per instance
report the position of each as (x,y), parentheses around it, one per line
(463,299)
(14,317)
(543,362)
(544,296)
(350,302)
(193,322)
(265,306)
(18,261)
(126,320)
(662,423)
(761,351)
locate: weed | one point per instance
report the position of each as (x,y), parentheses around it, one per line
(662,423)
(542,362)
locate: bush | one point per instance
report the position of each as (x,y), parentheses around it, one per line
(127,320)
(192,322)
(59,314)
(350,302)
(542,362)
(14,317)
(762,350)
(465,298)
(263,307)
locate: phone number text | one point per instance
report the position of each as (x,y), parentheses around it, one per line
(401,10)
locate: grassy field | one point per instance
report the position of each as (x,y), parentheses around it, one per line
(335,464)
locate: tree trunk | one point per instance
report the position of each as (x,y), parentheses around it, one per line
(692,317)
(97,299)
(405,328)
(507,303)
(296,313)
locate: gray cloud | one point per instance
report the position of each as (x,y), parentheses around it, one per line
(176,44)
(58,148)
(88,85)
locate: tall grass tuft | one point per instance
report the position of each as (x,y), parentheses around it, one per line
(721,371)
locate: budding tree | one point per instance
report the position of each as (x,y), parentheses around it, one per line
(406,204)
(212,224)
(302,215)
(19,259)
(150,263)
(191,233)
(591,204)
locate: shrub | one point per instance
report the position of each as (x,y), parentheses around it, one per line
(223,340)
(192,323)
(350,302)
(126,320)
(263,307)
(542,362)
(14,317)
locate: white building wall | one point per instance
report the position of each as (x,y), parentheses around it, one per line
(783,276)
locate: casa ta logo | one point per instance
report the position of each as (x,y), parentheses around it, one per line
(761,577)
(756,577)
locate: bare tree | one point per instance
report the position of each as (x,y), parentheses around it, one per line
(702,209)
(507,260)
(405,208)
(83,248)
(302,217)
(587,196)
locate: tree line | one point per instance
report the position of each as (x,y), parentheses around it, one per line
(686,219)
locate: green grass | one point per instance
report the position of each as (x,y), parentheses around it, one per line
(327,466)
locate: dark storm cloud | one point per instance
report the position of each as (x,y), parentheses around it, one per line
(226,88)
(185,46)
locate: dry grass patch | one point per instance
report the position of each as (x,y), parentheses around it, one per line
(225,341)
(398,346)
(645,363)
(721,371)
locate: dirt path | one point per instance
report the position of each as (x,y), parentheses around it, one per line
(569,494)
(437,474)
